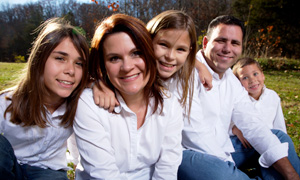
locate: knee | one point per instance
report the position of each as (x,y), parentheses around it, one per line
(6,150)
(283,137)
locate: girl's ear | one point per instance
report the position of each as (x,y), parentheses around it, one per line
(204,42)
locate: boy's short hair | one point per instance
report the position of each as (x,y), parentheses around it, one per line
(242,62)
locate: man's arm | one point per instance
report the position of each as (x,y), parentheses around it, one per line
(285,168)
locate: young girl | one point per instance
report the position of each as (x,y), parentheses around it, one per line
(142,138)
(175,46)
(36,116)
(266,101)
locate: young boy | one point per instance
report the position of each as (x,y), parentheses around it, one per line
(266,101)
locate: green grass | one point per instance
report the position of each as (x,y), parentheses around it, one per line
(287,85)
(285,82)
(9,73)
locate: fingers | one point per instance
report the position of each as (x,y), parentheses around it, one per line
(248,144)
(208,84)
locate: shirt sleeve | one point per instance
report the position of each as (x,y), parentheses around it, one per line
(93,142)
(260,137)
(279,122)
(171,150)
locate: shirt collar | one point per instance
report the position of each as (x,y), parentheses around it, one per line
(60,111)
(215,75)
(124,106)
(263,94)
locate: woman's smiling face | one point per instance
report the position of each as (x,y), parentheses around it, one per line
(124,64)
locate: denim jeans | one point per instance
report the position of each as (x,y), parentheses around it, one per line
(11,169)
(196,165)
(249,157)
(200,166)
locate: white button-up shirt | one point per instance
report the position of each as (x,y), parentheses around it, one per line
(211,113)
(41,147)
(111,146)
(269,108)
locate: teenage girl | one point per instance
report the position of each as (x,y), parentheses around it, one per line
(36,116)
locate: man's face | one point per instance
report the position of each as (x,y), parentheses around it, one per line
(223,47)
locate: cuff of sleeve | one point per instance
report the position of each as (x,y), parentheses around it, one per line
(273,154)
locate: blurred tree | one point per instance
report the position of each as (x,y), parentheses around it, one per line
(281,14)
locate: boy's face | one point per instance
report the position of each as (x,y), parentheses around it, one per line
(252,78)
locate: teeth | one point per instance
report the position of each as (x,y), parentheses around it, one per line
(131,76)
(66,82)
(167,65)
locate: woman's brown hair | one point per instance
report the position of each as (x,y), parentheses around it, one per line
(141,38)
(27,101)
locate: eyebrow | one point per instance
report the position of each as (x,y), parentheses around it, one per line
(116,54)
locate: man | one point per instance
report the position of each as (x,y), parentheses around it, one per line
(208,153)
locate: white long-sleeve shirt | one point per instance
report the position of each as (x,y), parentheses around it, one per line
(111,146)
(41,147)
(212,111)
(268,107)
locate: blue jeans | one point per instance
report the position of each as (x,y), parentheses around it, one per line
(248,158)
(200,166)
(11,169)
(196,165)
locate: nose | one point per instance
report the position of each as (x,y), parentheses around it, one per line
(69,69)
(251,79)
(226,48)
(127,64)
(170,55)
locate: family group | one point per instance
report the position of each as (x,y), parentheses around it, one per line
(143,102)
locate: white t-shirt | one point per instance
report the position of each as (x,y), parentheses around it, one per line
(111,146)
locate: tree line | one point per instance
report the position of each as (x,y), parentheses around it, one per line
(272,25)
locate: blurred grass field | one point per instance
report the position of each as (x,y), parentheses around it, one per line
(285,82)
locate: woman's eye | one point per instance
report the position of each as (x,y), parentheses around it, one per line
(137,53)
(244,78)
(114,58)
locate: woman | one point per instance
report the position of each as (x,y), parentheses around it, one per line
(141,139)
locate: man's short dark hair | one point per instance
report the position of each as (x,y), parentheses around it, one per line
(225,19)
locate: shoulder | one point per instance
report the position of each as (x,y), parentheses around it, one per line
(171,103)
(271,94)
(86,103)
(4,102)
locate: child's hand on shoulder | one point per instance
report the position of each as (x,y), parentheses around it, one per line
(104,97)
